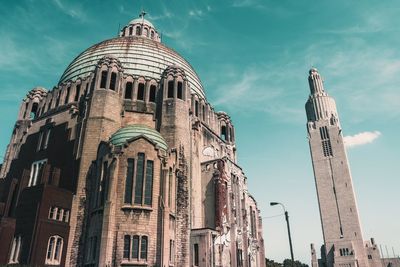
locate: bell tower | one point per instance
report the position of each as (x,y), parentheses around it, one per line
(343,240)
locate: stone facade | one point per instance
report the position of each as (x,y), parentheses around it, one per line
(125,163)
(343,241)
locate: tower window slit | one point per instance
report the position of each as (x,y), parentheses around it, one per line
(103,81)
(130,30)
(113,81)
(170,93)
(152,94)
(180,90)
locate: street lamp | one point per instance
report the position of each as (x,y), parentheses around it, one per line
(288,228)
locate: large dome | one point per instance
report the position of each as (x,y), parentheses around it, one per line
(139,56)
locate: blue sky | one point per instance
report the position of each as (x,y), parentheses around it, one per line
(253,58)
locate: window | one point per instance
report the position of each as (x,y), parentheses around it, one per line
(180,90)
(49,106)
(170,93)
(39,144)
(370,257)
(326,142)
(128,90)
(103,183)
(152,95)
(36,172)
(152,34)
(239,257)
(129,181)
(140,94)
(196,254)
(142,186)
(46,139)
(135,247)
(138,30)
(43,140)
(223,132)
(15,250)
(171,251)
(170,187)
(67,95)
(103,81)
(203,112)
(58,98)
(196,108)
(34,109)
(54,250)
(113,81)
(77,92)
(58,214)
(130,30)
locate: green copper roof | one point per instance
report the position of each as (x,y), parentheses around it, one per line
(136,130)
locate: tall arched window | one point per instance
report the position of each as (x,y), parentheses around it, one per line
(128,90)
(54,250)
(170,93)
(34,110)
(103,81)
(180,90)
(143,248)
(140,94)
(113,81)
(67,95)
(139,179)
(127,246)
(130,30)
(138,30)
(135,247)
(152,94)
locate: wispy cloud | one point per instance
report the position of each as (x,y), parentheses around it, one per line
(72,11)
(360,139)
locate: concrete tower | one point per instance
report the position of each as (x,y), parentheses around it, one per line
(344,245)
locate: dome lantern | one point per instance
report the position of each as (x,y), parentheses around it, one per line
(140,27)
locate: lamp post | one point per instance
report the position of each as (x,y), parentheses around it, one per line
(288,228)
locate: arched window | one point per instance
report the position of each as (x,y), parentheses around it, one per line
(139,179)
(152,94)
(138,30)
(127,246)
(15,250)
(130,30)
(223,132)
(180,90)
(54,250)
(148,194)
(143,248)
(34,109)
(152,34)
(196,108)
(129,181)
(103,82)
(77,92)
(67,95)
(113,81)
(128,90)
(58,98)
(135,247)
(170,89)
(140,94)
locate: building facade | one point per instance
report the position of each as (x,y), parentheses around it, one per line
(344,245)
(126,163)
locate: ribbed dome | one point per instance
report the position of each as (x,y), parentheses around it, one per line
(131,131)
(139,57)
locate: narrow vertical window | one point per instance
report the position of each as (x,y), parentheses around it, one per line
(77,92)
(113,81)
(67,95)
(171,251)
(140,94)
(152,95)
(135,247)
(49,106)
(54,250)
(128,90)
(148,194)
(127,246)
(103,81)
(170,89)
(15,250)
(138,30)
(103,189)
(180,90)
(223,132)
(143,248)
(139,179)
(196,108)
(170,187)
(50,248)
(40,139)
(46,139)
(34,112)
(203,112)
(196,254)
(130,30)
(152,34)
(129,181)
(326,142)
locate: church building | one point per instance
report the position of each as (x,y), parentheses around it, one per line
(125,163)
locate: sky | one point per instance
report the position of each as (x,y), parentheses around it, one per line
(253,58)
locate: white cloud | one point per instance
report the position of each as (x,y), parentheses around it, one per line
(361,139)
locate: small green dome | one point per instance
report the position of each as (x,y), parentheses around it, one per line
(131,131)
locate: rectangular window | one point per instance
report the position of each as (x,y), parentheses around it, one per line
(196,108)
(139,179)
(103,81)
(140,94)
(129,181)
(196,254)
(326,142)
(128,90)
(149,183)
